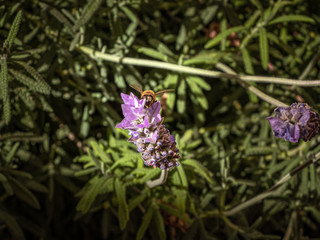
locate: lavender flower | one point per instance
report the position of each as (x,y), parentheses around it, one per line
(296,122)
(153,140)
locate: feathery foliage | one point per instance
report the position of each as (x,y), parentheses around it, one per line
(65,170)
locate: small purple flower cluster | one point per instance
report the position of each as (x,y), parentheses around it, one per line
(153,140)
(296,122)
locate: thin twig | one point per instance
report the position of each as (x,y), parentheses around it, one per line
(289,228)
(196,71)
(273,189)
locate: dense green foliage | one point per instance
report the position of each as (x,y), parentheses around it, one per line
(65,170)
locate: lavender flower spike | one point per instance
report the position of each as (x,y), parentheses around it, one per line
(296,122)
(153,140)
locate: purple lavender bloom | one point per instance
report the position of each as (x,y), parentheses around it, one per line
(296,122)
(153,140)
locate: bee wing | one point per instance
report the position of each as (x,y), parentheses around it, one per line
(138,88)
(164,91)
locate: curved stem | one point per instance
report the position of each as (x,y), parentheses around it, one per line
(161,180)
(196,71)
(251,88)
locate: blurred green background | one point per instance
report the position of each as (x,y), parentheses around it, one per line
(67,172)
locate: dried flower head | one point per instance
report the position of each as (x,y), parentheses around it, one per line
(153,140)
(296,122)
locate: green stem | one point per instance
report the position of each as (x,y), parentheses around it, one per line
(232,225)
(191,70)
(251,88)
(161,180)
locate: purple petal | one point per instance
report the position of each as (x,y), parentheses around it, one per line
(292,133)
(132,100)
(153,113)
(285,130)
(301,114)
(128,112)
(172,139)
(275,123)
(278,127)
(124,124)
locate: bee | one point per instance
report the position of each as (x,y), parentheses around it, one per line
(149,95)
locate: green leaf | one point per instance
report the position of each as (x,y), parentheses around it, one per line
(90,195)
(199,168)
(75,41)
(279,5)
(84,126)
(180,192)
(292,18)
(211,43)
(29,82)
(14,29)
(312,178)
(252,19)
(23,193)
(134,202)
(4,90)
(12,224)
(182,36)
(161,47)
(194,144)
(99,151)
(12,152)
(145,223)
(6,185)
(159,223)
(4,79)
(247,61)
(59,16)
(171,82)
(35,75)
(17,173)
(151,173)
(188,134)
(263,43)
(129,158)
(183,177)
(153,53)
(196,90)
(259,150)
(35,186)
(7,110)
(123,210)
(181,102)
(200,82)
(87,13)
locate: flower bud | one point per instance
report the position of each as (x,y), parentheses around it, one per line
(296,122)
